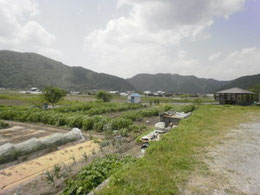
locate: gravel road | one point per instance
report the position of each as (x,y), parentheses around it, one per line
(234,164)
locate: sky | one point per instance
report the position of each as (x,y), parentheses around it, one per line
(217,39)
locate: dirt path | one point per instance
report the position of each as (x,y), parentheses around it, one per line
(234,165)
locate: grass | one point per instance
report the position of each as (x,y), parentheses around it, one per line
(151,100)
(167,164)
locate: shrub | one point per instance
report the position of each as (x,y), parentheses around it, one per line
(75,121)
(120,123)
(35,117)
(103,95)
(123,132)
(61,120)
(150,112)
(134,116)
(87,123)
(99,123)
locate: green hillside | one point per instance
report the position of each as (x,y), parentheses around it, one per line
(25,70)
(244,82)
(175,83)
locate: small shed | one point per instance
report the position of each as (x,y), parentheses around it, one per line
(134,98)
(236,96)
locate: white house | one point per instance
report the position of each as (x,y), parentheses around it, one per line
(114,92)
(123,94)
(147,93)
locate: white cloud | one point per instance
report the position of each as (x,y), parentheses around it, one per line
(245,61)
(148,39)
(214,56)
(52,53)
(232,65)
(17,29)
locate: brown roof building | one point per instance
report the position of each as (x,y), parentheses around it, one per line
(236,96)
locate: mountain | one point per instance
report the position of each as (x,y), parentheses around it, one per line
(244,82)
(25,70)
(175,83)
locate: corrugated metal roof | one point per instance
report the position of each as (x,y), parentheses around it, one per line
(236,90)
(135,95)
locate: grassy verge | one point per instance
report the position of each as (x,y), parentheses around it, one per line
(168,163)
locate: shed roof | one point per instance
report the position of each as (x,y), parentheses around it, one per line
(236,90)
(135,95)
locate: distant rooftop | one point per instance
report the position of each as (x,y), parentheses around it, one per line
(236,90)
(135,95)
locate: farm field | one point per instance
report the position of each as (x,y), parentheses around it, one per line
(115,128)
(16,98)
(129,97)
(112,126)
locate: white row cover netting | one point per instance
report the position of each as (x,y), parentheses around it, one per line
(10,152)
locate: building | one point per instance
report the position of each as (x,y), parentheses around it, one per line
(236,96)
(134,98)
(34,89)
(123,94)
(114,92)
(147,93)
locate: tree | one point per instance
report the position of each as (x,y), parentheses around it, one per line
(103,95)
(53,94)
(255,88)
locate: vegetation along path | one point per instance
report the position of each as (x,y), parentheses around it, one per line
(184,159)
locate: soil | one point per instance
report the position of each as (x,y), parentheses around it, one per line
(234,165)
(14,176)
(41,185)
(12,102)
(20,132)
(33,179)
(149,121)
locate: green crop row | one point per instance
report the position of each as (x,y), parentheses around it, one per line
(79,120)
(51,117)
(97,108)
(94,174)
(140,114)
